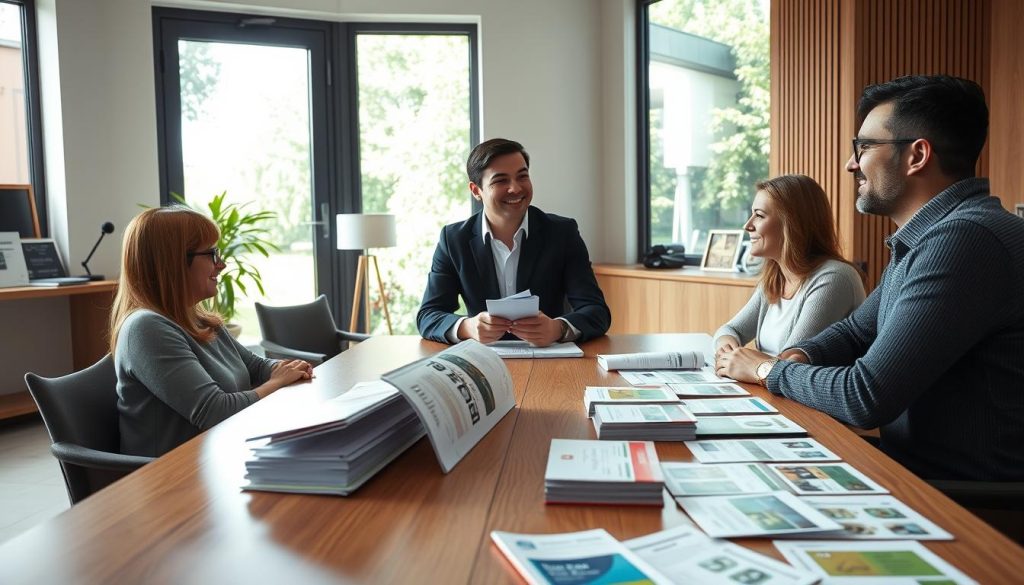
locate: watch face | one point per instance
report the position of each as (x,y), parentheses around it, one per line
(764,368)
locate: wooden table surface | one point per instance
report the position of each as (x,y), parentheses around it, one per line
(183,519)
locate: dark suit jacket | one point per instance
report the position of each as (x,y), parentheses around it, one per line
(553,264)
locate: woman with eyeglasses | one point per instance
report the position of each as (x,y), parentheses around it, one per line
(178,370)
(805,286)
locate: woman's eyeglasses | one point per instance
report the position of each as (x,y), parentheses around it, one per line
(212,252)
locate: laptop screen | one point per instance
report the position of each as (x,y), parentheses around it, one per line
(43,259)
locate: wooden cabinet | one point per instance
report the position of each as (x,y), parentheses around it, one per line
(671,301)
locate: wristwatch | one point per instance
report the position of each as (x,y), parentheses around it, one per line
(565,330)
(763,369)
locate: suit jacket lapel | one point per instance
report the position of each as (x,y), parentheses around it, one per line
(484,259)
(532,248)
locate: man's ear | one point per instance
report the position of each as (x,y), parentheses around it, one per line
(475,190)
(921,155)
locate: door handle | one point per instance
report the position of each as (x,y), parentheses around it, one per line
(325,225)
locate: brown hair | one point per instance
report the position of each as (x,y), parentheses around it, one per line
(155,266)
(809,235)
(482,155)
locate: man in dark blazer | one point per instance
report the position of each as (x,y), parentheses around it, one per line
(507,248)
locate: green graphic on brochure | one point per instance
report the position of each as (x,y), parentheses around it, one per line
(611,569)
(635,394)
(899,563)
(477,376)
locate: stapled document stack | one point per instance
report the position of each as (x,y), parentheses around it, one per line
(644,422)
(603,472)
(337,448)
(594,395)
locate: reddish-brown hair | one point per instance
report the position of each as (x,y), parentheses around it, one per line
(809,235)
(155,266)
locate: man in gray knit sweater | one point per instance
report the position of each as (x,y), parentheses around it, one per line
(935,355)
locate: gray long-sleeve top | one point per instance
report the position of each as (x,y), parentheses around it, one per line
(935,355)
(171,387)
(827,295)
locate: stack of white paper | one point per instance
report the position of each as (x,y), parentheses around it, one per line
(594,395)
(603,472)
(644,422)
(338,447)
(518,306)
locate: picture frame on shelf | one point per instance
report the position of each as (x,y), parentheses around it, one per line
(18,211)
(722,251)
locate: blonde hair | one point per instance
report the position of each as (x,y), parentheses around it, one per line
(809,235)
(155,268)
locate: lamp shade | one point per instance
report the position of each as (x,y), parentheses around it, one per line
(359,231)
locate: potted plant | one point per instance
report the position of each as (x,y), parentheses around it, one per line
(241,232)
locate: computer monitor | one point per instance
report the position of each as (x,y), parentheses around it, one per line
(18,211)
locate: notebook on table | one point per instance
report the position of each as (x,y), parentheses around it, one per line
(45,265)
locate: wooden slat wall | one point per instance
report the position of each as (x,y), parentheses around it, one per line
(1006,102)
(824,52)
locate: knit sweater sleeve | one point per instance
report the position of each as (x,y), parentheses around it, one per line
(828,296)
(744,324)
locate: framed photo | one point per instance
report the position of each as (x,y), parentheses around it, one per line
(723,250)
(1019,209)
(18,211)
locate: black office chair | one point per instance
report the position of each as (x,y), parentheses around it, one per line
(304,332)
(80,413)
(991,495)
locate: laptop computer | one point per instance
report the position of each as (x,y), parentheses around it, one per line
(45,265)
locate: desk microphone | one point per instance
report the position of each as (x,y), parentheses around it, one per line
(106,228)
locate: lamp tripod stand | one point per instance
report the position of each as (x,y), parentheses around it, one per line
(362,290)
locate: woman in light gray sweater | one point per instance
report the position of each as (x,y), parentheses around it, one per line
(178,370)
(805,283)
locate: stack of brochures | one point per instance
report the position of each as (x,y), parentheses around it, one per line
(594,395)
(339,446)
(644,422)
(336,447)
(603,472)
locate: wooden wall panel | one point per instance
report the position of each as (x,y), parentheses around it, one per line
(633,302)
(823,54)
(1006,102)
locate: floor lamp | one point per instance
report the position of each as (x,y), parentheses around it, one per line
(362,231)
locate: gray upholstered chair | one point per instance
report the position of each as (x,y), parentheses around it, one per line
(306,332)
(80,413)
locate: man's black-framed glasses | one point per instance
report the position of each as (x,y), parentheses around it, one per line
(860,143)
(212,252)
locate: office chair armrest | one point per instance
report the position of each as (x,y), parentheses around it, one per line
(995,495)
(86,457)
(349,336)
(277,351)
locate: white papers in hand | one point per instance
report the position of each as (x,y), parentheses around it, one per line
(518,306)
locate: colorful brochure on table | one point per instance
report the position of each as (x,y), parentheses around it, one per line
(876,518)
(743,450)
(594,395)
(718,406)
(652,360)
(698,479)
(575,558)
(750,424)
(684,555)
(871,563)
(755,515)
(608,472)
(662,377)
(707,390)
(812,479)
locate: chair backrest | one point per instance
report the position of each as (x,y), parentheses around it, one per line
(309,327)
(81,409)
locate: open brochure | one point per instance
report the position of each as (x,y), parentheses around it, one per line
(653,360)
(811,479)
(742,450)
(518,306)
(870,563)
(747,424)
(575,558)
(684,555)
(769,514)
(876,518)
(460,394)
(512,349)
(703,479)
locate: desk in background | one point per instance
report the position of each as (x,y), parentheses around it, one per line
(89,314)
(184,518)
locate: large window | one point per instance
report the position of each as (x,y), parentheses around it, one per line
(20,130)
(704,128)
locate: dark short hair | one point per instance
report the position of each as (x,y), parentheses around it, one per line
(949,112)
(481,156)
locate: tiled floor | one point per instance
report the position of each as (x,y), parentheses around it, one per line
(31,486)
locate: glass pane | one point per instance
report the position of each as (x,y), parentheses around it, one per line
(14,162)
(245,125)
(414,130)
(709,96)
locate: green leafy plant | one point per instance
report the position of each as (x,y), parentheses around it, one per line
(241,233)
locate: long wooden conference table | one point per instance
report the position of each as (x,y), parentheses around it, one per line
(183,518)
